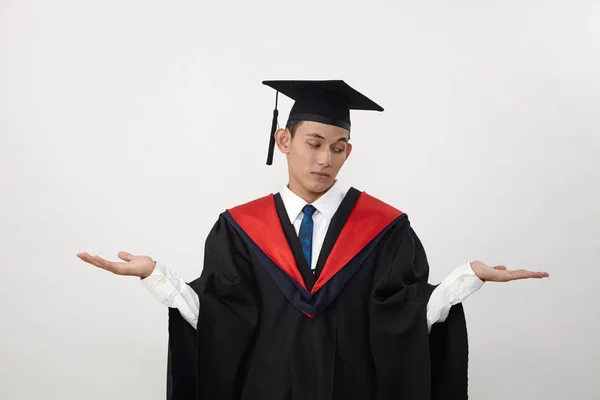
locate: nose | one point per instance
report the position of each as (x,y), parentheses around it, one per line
(324,159)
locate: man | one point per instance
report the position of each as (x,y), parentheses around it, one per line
(319,291)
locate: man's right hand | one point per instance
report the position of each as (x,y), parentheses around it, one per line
(141,266)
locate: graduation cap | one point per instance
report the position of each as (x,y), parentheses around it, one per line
(325,101)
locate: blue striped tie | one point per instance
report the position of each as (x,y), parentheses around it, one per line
(306,233)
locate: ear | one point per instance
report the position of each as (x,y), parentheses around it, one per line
(348,150)
(283,139)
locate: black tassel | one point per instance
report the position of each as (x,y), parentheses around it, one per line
(273,129)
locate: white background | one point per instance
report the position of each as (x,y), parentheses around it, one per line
(129,125)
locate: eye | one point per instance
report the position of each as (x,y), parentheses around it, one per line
(314,145)
(339,149)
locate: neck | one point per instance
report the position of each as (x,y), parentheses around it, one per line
(306,195)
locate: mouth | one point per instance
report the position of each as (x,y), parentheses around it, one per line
(321,174)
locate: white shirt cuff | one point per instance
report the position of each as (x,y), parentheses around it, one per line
(455,288)
(172,290)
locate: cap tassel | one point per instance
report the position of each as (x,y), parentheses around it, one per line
(273,129)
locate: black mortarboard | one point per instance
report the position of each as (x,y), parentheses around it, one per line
(327,101)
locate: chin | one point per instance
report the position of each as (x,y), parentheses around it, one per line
(319,187)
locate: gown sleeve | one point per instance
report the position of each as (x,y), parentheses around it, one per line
(411,362)
(226,322)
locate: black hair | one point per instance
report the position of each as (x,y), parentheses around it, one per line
(294,124)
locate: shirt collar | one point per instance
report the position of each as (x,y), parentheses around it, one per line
(327,204)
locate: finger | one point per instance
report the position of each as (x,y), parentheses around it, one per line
(87,258)
(521,274)
(535,274)
(118,268)
(123,255)
(94,260)
(114,267)
(540,275)
(500,267)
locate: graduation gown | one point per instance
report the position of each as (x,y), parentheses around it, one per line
(269,328)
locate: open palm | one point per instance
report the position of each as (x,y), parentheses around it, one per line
(500,273)
(141,266)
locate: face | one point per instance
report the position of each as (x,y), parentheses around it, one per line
(315,155)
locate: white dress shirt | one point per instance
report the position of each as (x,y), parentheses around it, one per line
(326,206)
(172,291)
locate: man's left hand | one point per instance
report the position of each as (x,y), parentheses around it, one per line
(500,273)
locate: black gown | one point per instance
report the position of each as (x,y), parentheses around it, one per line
(269,329)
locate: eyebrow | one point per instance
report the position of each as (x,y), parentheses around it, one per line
(316,135)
